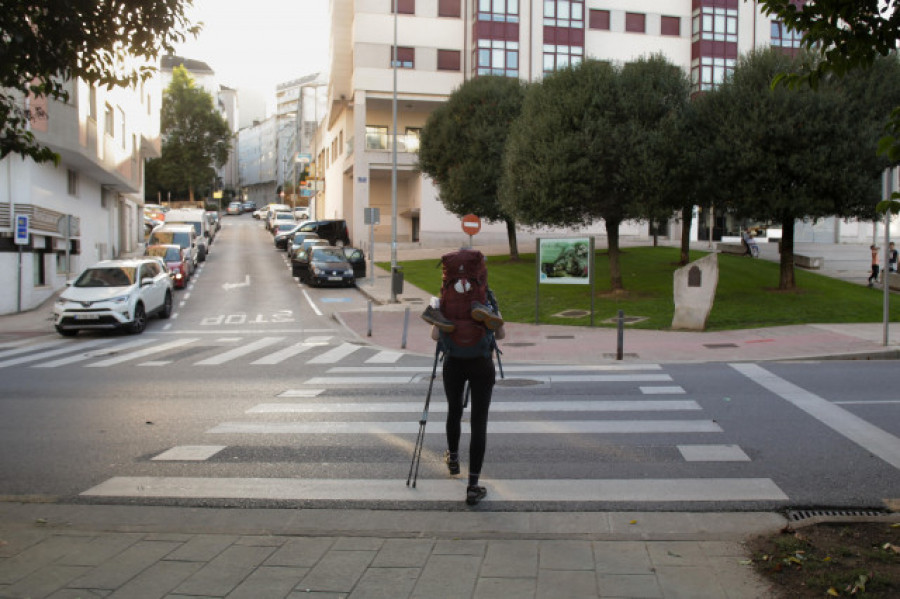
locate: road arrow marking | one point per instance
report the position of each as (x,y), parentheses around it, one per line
(230,286)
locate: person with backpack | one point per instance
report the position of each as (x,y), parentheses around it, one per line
(466,325)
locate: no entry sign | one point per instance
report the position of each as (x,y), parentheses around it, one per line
(471,224)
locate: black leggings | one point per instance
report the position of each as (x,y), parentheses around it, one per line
(480,374)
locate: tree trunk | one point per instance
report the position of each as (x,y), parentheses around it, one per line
(513,243)
(615,273)
(191,193)
(687,219)
(786,279)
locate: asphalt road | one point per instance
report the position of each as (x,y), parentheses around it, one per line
(252,395)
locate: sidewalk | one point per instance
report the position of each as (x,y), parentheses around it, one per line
(127,552)
(587,345)
(73,551)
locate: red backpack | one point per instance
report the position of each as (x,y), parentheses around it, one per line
(465,282)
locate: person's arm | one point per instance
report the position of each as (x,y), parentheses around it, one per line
(435,333)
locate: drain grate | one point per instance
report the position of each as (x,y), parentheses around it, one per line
(560,337)
(624,355)
(518,344)
(718,345)
(800,515)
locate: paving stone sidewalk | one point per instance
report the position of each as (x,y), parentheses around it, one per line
(128,552)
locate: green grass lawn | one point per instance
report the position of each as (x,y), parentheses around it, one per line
(747,295)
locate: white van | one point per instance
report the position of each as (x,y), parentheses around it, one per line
(197,218)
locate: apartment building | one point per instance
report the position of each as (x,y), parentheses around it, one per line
(257,148)
(442,43)
(89,208)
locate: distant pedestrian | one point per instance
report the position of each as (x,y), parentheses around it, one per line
(874,276)
(892,257)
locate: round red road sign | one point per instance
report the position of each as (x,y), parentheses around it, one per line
(471,224)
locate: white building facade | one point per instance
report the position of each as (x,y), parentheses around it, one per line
(257,148)
(442,43)
(89,208)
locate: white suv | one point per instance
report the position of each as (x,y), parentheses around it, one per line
(114,294)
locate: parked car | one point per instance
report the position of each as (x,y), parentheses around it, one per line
(357,259)
(212,219)
(281,232)
(259,214)
(176,261)
(280,218)
(325,265)
(300,260)
(271,209)
(196,218)
(248,206)
(114,294)
(182,235)
(295,239)
(335,231)
(301,214)
(283,236)
(234,208)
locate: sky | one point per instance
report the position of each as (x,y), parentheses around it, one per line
(253,45)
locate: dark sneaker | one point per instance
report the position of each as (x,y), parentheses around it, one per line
(484,314)
(433,316)
(474,494)
(452,464)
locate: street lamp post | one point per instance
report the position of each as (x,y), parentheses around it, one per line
(394,169)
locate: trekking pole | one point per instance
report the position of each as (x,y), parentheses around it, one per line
(420,438)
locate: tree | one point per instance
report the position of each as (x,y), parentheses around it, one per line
(584,145)
(44,45)
(462,147)
(795,152)
(196,138)
(844,35)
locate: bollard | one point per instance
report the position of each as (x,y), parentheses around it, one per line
(405,326)
(369,320)
(620,337)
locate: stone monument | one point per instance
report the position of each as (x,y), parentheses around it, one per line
(695,289)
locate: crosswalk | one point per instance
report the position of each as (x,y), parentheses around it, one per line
(537,407)
(162,350)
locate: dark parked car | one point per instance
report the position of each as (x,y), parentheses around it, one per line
(357,260)
(300,258)
(296,240)
(335,231)
(248,206)
(325,265)
(283,232)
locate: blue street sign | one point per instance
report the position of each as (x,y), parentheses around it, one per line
(21,229)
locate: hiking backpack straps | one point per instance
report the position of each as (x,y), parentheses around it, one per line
(464,283)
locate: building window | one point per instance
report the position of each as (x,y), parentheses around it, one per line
(560,57)
(406,57)
(404,7)
(564,13)
(498,57)
(39,277)
(498,10)
(376,138)
(635,22)
(72,182)
(708,72)
(671,26)
(599,19)
(109,121)
(92,103)
(448,60)
(448,8)
(340,142)
(783,37)
(717,24)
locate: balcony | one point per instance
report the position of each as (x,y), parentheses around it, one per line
(378,139)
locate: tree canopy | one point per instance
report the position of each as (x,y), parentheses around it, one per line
(44,45)
(463,143)
(585,147)
(794,152)
(196,139)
